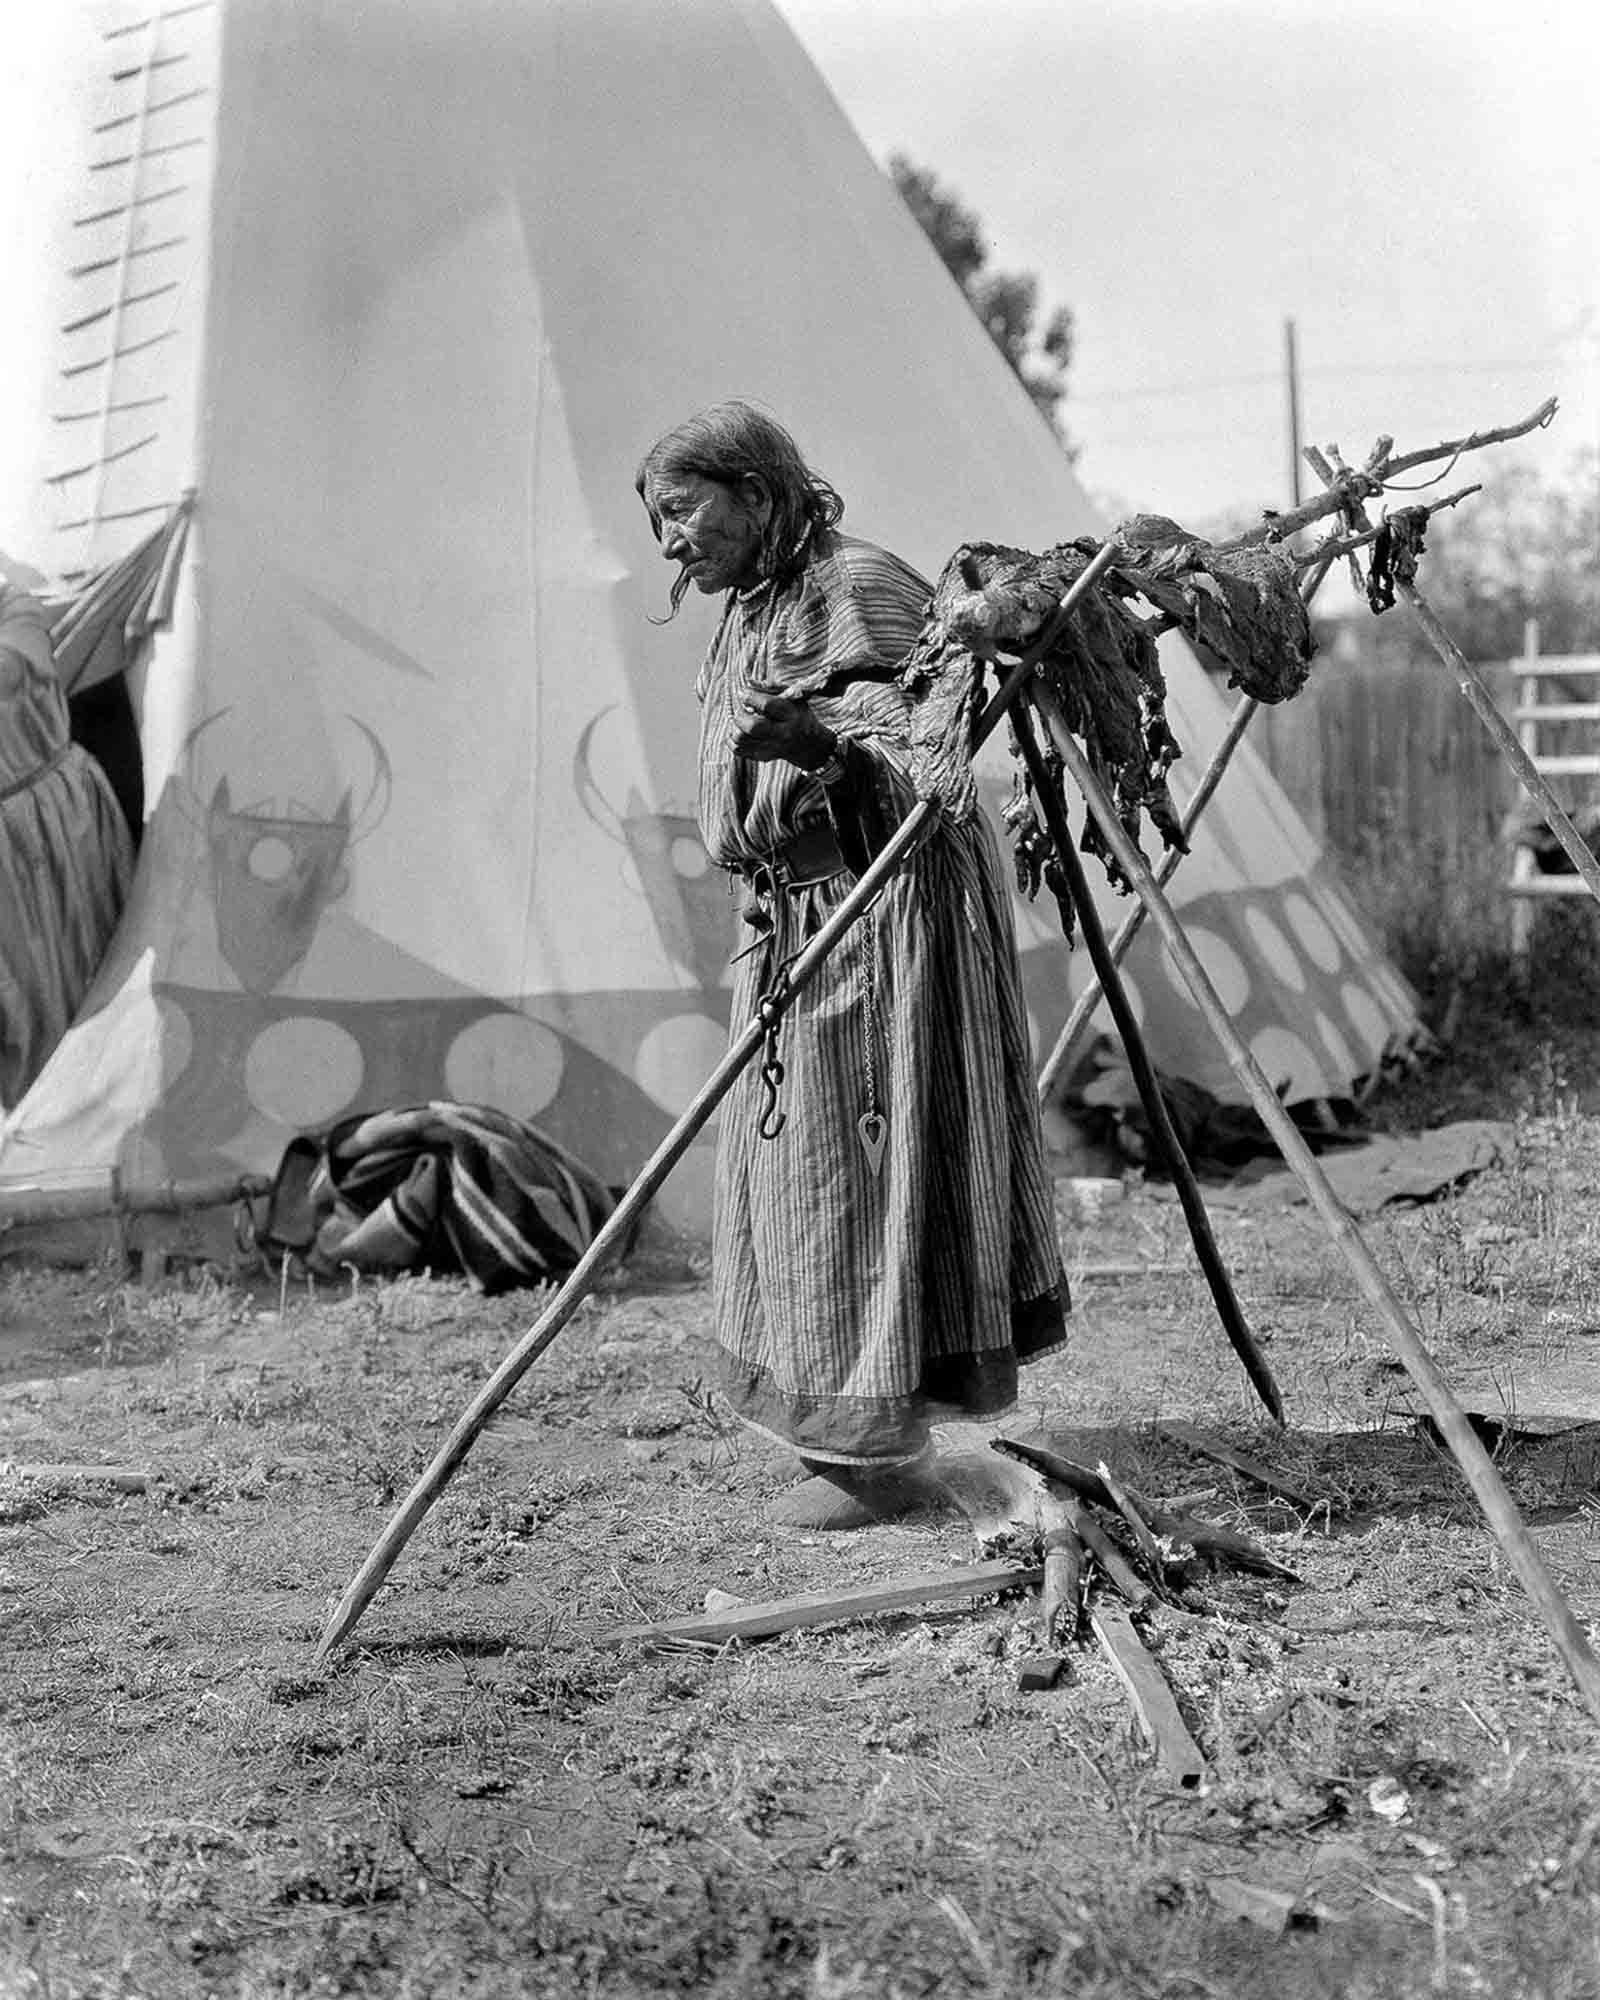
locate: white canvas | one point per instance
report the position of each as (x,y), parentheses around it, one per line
(403,290)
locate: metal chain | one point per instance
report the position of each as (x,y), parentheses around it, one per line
(773,1116)
(868,931)
(872,1127)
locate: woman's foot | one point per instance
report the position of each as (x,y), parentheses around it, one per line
(840,1497)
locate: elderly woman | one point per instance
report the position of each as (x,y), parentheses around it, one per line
(884,1248)
(66,855)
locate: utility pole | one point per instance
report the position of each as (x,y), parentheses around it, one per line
(1292,371)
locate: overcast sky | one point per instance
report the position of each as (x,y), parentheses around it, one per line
(1416,185)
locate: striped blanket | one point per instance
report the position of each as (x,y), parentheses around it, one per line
(435,1187)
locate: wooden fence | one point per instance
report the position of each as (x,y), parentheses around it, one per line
(1389,752)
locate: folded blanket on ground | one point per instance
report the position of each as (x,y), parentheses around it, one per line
(436,1187)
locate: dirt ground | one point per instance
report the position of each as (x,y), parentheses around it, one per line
(484,1794)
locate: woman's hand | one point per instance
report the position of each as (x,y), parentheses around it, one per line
(768,727)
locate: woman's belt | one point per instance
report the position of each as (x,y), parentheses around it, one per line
(811,854)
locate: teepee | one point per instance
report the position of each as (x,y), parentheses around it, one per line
(399,293)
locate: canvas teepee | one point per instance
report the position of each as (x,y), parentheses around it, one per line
(400,292)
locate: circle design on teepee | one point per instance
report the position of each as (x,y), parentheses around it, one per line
(175,1039)
(677,1056)
(302,1071)
(1313,930)
(1283,961)
(689,858)
(1347,929)
(1365,1015)
(1223,966)
(270,858)
(1287,1061)
(1339,1049)
(1389,987)
(507,1060)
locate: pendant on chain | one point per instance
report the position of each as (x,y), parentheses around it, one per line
(872,1128)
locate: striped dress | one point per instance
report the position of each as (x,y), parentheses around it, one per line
(857,1303)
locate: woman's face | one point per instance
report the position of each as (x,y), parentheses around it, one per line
(713,530)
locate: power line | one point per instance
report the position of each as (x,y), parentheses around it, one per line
(1345,371)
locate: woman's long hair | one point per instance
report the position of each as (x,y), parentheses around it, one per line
(730,443)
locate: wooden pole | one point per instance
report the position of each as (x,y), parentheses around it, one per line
(1151,1698)
(1484,705)
(108,1198)
(1291,368)
(1068,1042)
(1510,1530)
(1070,1039)
(613,1233)
(1168,1146)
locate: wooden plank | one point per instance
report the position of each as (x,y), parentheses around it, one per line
(1547,885)
(833,1607)
(1360,733)
(120,1478)
(1559,711)
(1568,767)
(1153,1701)
(1247,1468)
(1539,664)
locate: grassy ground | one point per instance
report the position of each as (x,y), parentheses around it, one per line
(482,1797)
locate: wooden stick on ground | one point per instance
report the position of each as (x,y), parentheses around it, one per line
(1206,1538)
(1169,1148)
(1138,1527)
(1153,1701)
(109,1198)
(1237,1461)
(615,1231)
(1510,1530)
(120,1478)
(1118,1571)
(831,1607)
(1061,1599)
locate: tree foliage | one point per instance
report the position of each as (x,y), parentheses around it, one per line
(1007,302)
